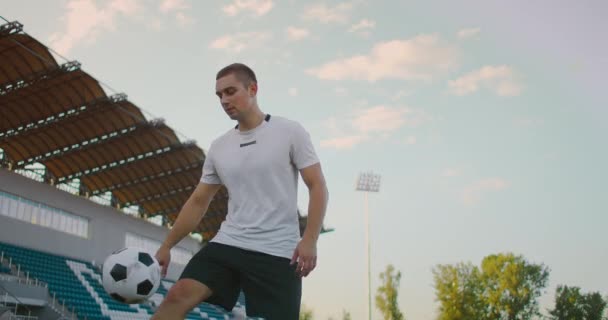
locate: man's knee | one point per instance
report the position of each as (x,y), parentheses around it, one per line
(187,293)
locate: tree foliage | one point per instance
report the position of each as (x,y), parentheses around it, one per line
(386,296)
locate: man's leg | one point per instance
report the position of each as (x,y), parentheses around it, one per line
(183,296)
(272,288)
(208,276)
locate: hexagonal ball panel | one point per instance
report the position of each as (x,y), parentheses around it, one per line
(144,287)
(145,258)
(118,272)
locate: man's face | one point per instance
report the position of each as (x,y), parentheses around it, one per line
(235,97)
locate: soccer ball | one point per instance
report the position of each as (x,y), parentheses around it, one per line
(130,275)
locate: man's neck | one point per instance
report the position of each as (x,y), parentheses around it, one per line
(252,121)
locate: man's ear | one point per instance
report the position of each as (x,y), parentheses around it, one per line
(253,89)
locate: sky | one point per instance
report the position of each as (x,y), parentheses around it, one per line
(486,120)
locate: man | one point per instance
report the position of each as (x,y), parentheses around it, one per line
(258,248)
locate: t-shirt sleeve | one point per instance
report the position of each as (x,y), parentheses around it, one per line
(302,151)
(210,175)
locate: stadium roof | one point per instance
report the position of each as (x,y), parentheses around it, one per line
(58,122)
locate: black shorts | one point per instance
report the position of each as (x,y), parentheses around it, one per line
(271,286)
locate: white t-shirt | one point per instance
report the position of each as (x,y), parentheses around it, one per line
(259,168)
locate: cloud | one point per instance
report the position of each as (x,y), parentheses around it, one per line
(341,91)
(339,13)
(344,142)
(292,91)
(179,9)
(499,79)
(238,42)
(363,27)
(410,140)
(379,119)
(167,6)
(468,33)
(419,58)
(127,7)
(472,194)
(85,21)
(183,19)
(400,94)
(256,7)
(371,124)
(451,172)
(295,34)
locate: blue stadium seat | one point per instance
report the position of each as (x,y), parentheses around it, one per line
(78,284)
(5,270)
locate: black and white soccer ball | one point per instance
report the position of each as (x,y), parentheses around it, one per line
(131,275)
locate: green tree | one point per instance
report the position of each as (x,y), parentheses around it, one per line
(511,286)
(386,296)
(594,306)
(306,313)
(506,287)
(568,304)
(458,290)
(346,315)
(571,304)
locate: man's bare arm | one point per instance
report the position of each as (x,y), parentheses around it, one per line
(317,202)
(306,251)
(191,214)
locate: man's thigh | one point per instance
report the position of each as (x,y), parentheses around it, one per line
(272,288)
(213,267)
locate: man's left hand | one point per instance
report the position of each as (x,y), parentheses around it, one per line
(305,256)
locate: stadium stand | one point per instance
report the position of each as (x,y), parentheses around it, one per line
(77,284)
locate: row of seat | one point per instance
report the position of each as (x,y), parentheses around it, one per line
(77,283)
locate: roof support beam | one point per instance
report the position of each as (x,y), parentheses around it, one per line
(138,181)
(126,161)
(63,116)
(6,88)
(10,28)
(87,144)
(158,196)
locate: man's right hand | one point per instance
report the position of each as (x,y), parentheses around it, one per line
(163,255)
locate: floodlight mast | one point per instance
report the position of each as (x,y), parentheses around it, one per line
(368,182)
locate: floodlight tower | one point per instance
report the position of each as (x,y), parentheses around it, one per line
(368,182)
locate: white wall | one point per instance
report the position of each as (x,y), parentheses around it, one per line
(107,226)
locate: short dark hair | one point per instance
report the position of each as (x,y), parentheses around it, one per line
(241,71)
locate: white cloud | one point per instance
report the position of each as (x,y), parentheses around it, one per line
(292,92)
(240,41)
(296,34)
(400,94)
(127,7)
(341,91)
(451,172)
(473,194)
(410,140)
(167,6)
(468,33)
(179,8)
(363,27)
(85,21)
(183,19)
(499,79)
(344,142)
(376,123)
(379,119)
(256,7)
(339,13)
(419,58)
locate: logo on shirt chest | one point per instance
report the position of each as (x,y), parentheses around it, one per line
(248,143)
